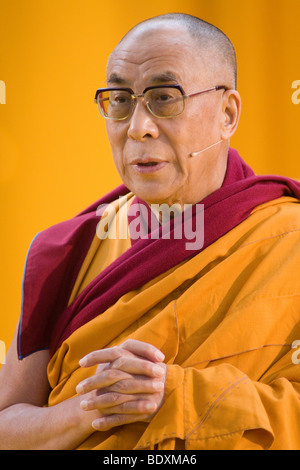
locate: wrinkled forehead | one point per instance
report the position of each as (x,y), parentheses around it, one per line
(147,55)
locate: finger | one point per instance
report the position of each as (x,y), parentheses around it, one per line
(106,423)
(101,380)
(101,356)
(101,367)
(137,366)
(106,400)
(136,386)
(132,407)
(145,350)
(109,403)
(119,381)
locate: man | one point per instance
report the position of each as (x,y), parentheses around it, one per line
(143,342)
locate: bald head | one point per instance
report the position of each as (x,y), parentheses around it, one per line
(207,37)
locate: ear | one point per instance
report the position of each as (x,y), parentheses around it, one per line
(231,109)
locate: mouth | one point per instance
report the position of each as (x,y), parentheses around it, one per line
(148,166)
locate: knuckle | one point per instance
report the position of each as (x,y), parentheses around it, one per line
(139,406)
(110,374)
(113,398)
(116,352)
(123,407)
(119,362)
(121,386)
(119,419)
(126,343)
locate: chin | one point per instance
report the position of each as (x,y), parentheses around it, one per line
(154,196)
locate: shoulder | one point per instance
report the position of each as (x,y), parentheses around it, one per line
(271,246)
(275,219)
(51,268)
(77,231)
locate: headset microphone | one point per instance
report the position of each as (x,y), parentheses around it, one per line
(206,148)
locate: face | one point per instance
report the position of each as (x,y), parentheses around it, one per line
(151,154)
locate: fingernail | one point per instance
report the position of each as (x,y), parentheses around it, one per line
(150,406)
(97,423)
(159,386)
(159,356)
(157,370)
(82,362)
(79,388)
(84,405)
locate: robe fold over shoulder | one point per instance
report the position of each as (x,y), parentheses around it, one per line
(226,317)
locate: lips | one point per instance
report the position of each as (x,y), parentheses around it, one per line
(146,160)
(148,165)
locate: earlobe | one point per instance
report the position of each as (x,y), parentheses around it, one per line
(231,113)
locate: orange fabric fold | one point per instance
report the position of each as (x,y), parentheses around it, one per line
(225,320)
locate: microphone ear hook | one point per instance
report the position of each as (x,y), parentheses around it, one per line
(206,148)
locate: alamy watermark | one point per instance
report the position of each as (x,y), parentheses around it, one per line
(2,92)
(2,352)
(162,221)
(296,94)
(296,354)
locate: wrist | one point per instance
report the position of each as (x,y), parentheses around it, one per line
(80,419)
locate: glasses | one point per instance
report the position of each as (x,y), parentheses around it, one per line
(163,101)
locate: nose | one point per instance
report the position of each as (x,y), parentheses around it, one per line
(142,123)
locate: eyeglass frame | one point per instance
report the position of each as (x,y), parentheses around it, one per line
(142,95)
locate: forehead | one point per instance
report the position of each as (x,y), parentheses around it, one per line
(159,55)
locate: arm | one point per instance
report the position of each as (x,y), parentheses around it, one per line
(25,421)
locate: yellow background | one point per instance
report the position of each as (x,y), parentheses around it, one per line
(54,155)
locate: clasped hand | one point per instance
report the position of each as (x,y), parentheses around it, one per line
(128,385)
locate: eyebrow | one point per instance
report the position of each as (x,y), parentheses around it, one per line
(165,77)
(115,78)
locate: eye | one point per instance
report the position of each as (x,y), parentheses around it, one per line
(164,95)
(120,97)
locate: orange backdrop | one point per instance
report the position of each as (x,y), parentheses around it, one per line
(54,155)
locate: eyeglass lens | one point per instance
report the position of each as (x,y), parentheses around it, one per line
(162,102)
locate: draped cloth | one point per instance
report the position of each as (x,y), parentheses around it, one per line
(56,255)
(225,316)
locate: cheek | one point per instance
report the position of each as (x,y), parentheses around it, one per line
(114,133)
(186,138)
(117,141)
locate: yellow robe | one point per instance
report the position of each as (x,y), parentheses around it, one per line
(226,321)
